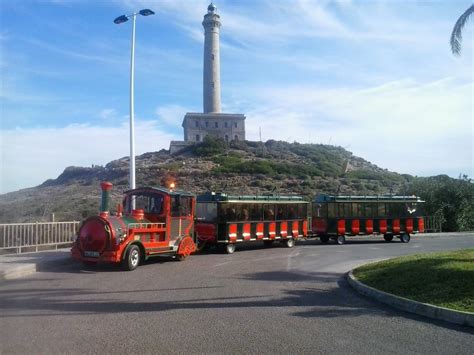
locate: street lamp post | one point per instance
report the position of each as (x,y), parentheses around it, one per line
(119,20)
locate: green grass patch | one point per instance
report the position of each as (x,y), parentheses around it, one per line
(442,279)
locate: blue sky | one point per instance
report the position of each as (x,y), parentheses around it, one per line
(375,77)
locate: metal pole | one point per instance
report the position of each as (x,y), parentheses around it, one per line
(132,118)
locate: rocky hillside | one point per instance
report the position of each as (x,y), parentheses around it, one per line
(239,167)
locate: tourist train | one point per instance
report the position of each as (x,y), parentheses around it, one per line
(158,221)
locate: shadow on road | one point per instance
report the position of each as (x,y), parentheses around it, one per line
(304,295)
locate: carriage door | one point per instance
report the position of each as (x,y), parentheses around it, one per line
(181,217)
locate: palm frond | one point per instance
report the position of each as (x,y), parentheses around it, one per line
(456,35)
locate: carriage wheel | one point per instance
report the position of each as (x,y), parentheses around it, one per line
(290,242)
(324,239)
(340,239)
(268,243)
(388,237)
(132,258)
(230,248)
(405,238)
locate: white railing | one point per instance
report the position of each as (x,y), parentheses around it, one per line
(22,236)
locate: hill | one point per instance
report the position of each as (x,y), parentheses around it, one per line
(213,165)
(239,167)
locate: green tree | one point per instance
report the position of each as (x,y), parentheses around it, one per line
(456,35)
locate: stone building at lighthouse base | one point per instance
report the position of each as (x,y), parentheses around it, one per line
(228,126)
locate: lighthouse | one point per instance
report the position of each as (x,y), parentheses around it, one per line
(212,121)
(211,72)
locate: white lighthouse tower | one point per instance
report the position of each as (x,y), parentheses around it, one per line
(212,75)
(228,126)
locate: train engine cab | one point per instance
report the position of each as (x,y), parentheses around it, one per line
(151,221)
(335,217)
(225,220)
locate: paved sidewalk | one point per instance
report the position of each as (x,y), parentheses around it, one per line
(19,265)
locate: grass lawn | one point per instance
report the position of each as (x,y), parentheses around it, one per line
(443,279)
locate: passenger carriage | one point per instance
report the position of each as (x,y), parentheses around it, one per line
(226,220)
(335,217)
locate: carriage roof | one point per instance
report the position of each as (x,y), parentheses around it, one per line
(376,198)
(222,197)
(160,190)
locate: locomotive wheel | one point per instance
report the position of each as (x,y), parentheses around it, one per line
(405,238)
(324,239)
(268,243)
(132,258)
(230,248)
(340,239)
(181,257)
(388,237)
(290,242)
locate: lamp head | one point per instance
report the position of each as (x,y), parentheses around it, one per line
(146,12)
(121,19)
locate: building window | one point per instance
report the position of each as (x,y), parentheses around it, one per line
(198,137)
(236,138)
(225,124)
(235,124)
(197,123)
(207,124)
(213,57)
(216,124)
(226,138)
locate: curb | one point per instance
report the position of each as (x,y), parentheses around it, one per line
(21,270)
(404,304)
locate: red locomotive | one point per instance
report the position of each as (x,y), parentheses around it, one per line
(155,221)
(339,216)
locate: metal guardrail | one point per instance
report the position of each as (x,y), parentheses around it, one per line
(433,224)
(20,236)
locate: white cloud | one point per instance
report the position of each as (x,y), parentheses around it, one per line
(108,113)
(31,156)
(405,126)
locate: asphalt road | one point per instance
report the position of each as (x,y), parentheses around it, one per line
(257,300)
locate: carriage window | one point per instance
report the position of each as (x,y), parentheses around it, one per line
(281,212)
(340,210)
(149,203)
(355,210)
(222,211)
(398,210)
(292,212)
(256,212)
(181,206)
(243,212)
(332,210)
(269,212)
(369,210)
(141,202)
(155,204)
(347,210)
(301,210)
(381,209)
(207,211)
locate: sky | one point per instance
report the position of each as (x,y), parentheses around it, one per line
(376,77)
